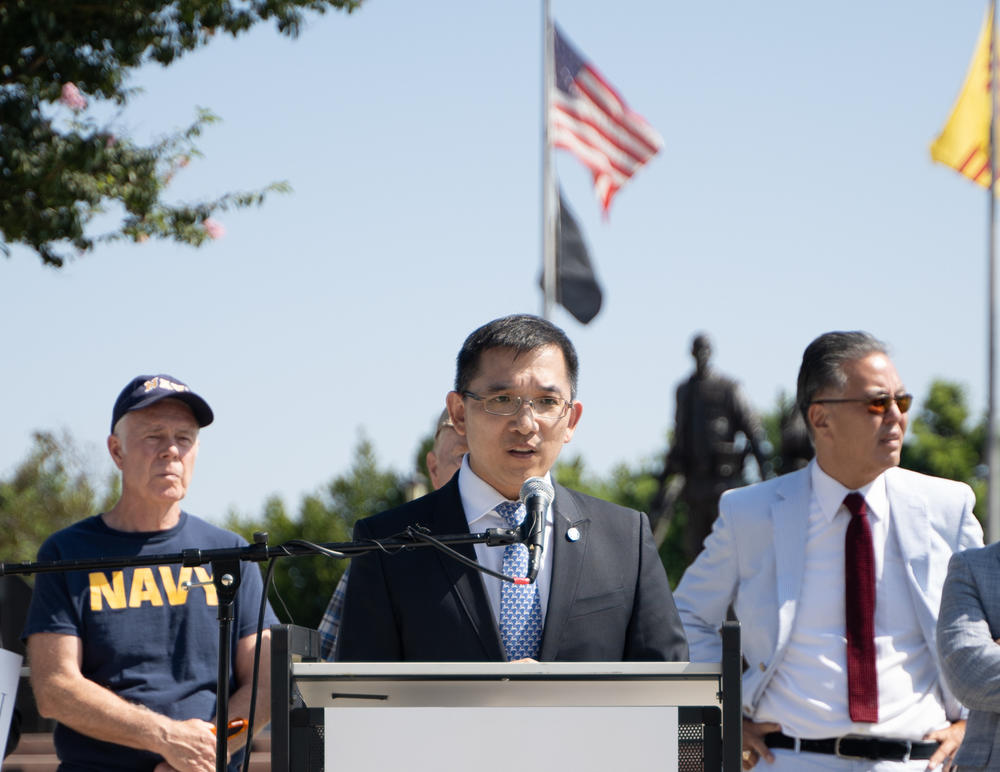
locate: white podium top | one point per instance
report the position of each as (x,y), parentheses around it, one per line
(502,684)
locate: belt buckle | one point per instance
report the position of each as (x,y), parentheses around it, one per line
(880,749)
(841,755)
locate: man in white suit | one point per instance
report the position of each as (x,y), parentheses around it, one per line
(835,573)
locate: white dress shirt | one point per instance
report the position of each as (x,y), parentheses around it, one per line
(478,500)
(808,693)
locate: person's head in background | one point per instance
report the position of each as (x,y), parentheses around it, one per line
(445,457)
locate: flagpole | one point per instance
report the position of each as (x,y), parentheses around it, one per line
(992,454)
(548,199)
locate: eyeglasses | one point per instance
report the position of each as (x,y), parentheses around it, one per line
(876,405)
(551,408)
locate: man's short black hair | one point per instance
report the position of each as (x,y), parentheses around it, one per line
(823,364)
(521,333)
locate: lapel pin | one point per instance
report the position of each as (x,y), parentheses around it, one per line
(573,533)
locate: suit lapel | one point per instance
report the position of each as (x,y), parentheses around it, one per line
(467,586)
(567,562)
(790,517)
(910,522)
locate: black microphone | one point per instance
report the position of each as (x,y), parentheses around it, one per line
(537,494)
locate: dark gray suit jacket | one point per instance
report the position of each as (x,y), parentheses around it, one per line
(609,599)
(967,631)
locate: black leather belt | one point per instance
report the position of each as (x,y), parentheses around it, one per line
(856,746)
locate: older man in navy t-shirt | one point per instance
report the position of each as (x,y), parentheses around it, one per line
(126,660)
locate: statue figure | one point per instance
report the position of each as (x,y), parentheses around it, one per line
(796,447)
(707,451)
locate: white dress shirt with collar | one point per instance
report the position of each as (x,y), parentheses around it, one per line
(808,693)
(478,500)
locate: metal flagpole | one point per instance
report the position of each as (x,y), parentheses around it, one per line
(548,197)
(992,454)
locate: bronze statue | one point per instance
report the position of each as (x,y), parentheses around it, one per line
(707,452)
(796,446)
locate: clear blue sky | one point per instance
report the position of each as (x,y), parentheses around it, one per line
(794,195)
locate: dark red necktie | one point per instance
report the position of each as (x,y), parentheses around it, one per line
(859,603)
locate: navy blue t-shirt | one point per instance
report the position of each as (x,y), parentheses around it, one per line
(144,637)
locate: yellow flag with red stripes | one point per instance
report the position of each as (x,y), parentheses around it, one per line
(964,143)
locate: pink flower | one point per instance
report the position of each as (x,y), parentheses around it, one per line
(214,228)
(72,98)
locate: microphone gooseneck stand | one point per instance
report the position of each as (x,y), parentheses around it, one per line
(227,577)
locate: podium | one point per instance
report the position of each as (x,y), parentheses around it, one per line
(483,716)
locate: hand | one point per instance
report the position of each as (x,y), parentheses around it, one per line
(950,738)
(753,742)
(189,746)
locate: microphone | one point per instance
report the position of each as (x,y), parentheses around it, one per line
(537,494)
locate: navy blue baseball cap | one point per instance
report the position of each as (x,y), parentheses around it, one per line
(145,390)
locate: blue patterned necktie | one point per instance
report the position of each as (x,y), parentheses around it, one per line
(520,606)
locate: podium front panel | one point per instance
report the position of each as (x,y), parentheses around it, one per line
(499,739)
(707,698)
(459,716)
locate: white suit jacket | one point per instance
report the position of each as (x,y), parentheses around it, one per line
(755,557)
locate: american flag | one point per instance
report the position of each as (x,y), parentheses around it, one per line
(588,118)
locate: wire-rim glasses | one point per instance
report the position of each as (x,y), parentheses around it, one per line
(547,407)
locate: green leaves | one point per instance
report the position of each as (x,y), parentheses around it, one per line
(943,444)
(306,583)
(58,168)
(52,488)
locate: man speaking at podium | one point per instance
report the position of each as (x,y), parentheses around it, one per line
(601,592)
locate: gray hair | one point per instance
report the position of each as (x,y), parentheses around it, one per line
(443,422)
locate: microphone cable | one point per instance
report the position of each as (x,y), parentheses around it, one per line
(413,533)
(268,577)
